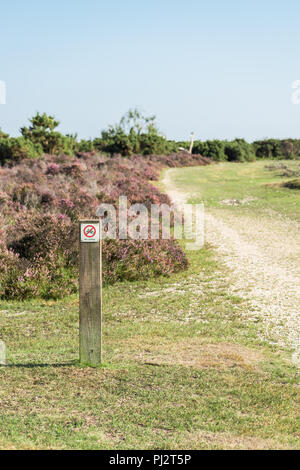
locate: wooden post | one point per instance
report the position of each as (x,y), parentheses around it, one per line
(2,354)
(192,143)
(90,292)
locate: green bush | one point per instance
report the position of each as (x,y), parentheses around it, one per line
(277,149)
(239,151)
(154,144)
(115,141)
(135,134)
(213,149)
(14,149)
(234,152)
(222,150)
(42,132)
(293,184)
(86,146)
(3,135)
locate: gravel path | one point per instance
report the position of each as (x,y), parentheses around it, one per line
(263,255)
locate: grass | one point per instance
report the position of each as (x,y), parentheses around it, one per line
(293,184)
(182,367)
(258,188)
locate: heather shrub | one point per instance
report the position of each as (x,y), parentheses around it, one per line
(35,235)
(48,198)
(74,169)
(4,198)
(53,169)
(26,194)
(10,268)
(47,278)
(131,260)
(40,258)
(41,202)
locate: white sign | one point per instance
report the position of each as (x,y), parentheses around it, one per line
(90,232)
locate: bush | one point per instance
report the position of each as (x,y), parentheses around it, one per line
(222,150)
(42,133)
(277,149)
(131,260)
(86,146)
(293,184)
(135,134)
(14,149)
(40,259)
(41,202)
(213,149)
(234,153)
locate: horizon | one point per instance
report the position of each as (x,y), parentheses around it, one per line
(222,71)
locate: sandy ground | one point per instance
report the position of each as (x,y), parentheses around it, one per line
(263,255)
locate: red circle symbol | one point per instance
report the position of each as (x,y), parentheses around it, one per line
(89,231)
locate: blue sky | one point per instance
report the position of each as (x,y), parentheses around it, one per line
(222,69)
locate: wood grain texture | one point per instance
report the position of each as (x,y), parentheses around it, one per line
(90,300)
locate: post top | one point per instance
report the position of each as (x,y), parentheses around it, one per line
(86,221)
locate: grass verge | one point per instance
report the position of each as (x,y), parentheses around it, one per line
(181,369)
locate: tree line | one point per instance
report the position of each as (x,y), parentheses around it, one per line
(134,134)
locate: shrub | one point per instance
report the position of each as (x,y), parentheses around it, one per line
(221,150)
(131,260)
(293,184)
(149,144)
(135,133)
(39,253)
(47,278)
(213,149)
(36,235)
(85,146)
(14,149)
(234,153)
(277,149)
(53,169)
(26,194)
(42,133)
(41,258)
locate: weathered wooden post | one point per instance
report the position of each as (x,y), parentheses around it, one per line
(90,292)
(192,143)
(2,354)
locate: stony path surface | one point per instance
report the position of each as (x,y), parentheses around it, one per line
(263,255)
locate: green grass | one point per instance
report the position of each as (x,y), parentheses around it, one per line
(182,367)
(293,184)
(240,181)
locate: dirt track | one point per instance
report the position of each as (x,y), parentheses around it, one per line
(263,255)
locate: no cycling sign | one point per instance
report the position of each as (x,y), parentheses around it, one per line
(90,232)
